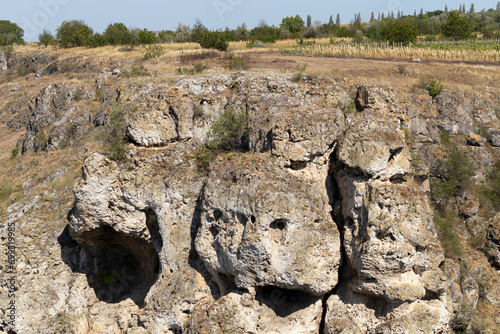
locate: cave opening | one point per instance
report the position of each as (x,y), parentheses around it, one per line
(120,266)
(284,301)
(123,266)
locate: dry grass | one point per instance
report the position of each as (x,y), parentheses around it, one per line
(384,52)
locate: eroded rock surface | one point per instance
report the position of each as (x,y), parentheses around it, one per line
(322,223)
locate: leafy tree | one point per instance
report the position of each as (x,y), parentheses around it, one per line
(446,8)
(457,26)
(242,32)
(147,36)
(330,22)
(292,24)
(10,33)
(46,38)
(337,21)
(97,40)
(400,31)
(198,31)
(182,34)
(166,36)
(118,33)
(265,33)
(471,10)
(213,40)
(309,21)
(372,18)
(74,33)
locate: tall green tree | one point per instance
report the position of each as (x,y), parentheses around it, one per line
(292,24)
(74,33)
(10,33)
(337,21)
(457,26)
(147,36)
(197,31)
(46,38)
(118,33)
(330,22)
(309,21)
(400,31)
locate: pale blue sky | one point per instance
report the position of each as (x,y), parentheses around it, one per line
(36,15)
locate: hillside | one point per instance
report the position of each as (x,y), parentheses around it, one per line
(200,192)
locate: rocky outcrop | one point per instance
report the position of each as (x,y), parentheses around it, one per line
(322,223)
(323,205)
(263,226)
(3,61)
(55,122)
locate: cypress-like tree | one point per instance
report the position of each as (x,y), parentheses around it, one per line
(330,22)
(309,20)
(338,19)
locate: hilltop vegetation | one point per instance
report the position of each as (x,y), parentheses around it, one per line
(388,26)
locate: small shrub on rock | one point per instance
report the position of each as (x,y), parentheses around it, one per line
(116,144)
(229,131)
(456,170)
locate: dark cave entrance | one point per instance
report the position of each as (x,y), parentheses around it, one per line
(117,266)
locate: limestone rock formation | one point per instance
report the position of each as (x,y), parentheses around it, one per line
(321,223)
(3,61)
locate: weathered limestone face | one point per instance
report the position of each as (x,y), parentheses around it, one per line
(320,225)
(262,225)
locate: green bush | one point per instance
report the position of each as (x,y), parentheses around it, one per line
(445,137)
(118,33)
(5,191)
(434,87)
(236,63)
(400,31)
(456,170)
(14,152)
(213,40)
(74,33)
(265,33)
(10,33)
(136,71)
(41,142)
(153,51)
(457,26)
(147,37)
(447,235)
(97,40)
(300,71)
(116,147)
(229,131)
(46,38)
(491,191)
(292,23)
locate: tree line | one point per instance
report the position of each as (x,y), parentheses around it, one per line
(395,28)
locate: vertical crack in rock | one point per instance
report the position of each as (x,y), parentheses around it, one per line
(335,198)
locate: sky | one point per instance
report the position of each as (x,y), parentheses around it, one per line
(36,15)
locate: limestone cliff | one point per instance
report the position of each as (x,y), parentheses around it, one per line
(321,224)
